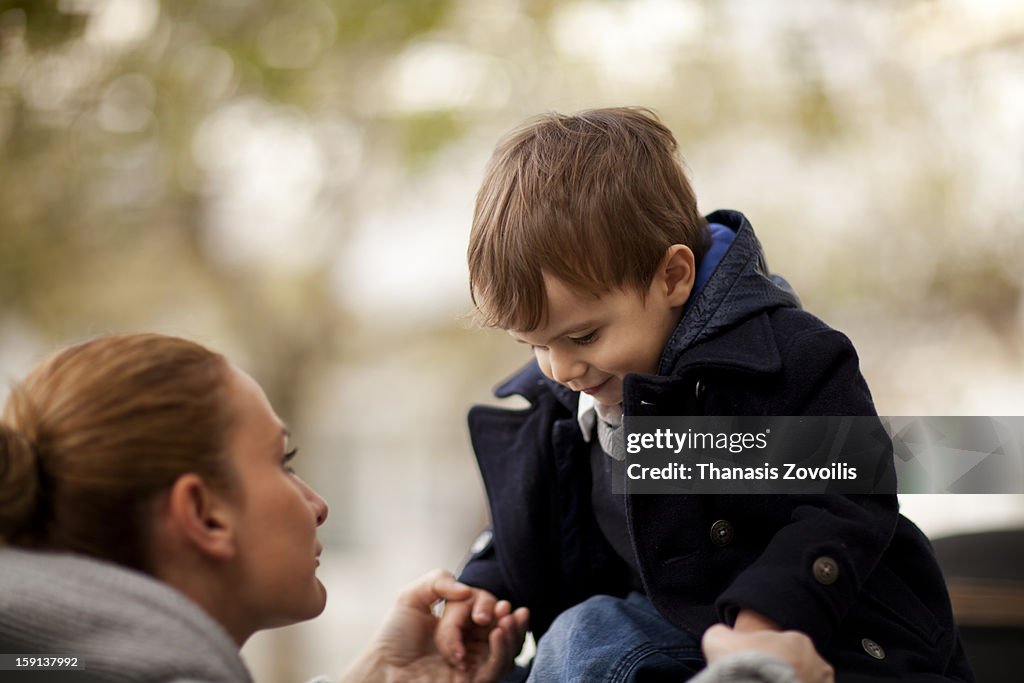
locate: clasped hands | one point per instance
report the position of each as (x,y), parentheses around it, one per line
(477,638)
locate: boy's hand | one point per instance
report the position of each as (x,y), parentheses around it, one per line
(481,633)
(748,620)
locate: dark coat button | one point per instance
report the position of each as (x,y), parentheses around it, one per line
(722,533)
(698,389)
(872,648)
(826,570)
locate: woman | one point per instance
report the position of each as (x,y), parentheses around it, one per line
(150,522)
(153,523)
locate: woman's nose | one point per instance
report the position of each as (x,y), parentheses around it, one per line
(320,507)
(316,502)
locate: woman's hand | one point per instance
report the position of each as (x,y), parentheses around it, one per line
(404,649)
(465,628)
(795,648)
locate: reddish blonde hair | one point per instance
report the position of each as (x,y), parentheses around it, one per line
(95,432)
(593,199)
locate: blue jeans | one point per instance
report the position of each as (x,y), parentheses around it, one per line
(615,640)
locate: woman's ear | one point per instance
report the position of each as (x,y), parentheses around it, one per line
(202,517)
(676,273)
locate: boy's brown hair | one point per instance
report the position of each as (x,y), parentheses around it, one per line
(593,199)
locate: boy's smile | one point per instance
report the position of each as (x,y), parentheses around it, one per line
(589,343)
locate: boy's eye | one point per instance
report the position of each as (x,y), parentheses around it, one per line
(588,338)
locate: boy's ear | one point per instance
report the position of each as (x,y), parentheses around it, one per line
(202,517)
(676,274)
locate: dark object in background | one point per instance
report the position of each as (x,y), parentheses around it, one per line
(985,575)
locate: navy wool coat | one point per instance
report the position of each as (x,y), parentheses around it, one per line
(849,571)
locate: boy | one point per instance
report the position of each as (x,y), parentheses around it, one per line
(587,246)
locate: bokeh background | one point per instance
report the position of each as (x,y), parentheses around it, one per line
(291,182)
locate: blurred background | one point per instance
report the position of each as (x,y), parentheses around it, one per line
(292,182)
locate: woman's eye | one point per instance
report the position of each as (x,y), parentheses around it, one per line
(286,458)
(588,338)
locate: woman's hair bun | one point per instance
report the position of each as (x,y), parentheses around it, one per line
(19,483)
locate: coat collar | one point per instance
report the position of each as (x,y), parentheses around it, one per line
(746,349)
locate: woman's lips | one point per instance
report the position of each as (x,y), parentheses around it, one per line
(593,390)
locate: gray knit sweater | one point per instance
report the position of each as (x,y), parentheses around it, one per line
(121,624)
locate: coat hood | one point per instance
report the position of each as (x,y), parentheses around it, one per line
(738,287)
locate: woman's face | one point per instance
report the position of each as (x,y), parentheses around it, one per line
(276,516)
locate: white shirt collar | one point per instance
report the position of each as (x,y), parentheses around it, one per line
(586,416)
(588,412)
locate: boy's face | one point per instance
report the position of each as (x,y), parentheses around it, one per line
(590,343)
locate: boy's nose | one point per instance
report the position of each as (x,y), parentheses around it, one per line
(565,369)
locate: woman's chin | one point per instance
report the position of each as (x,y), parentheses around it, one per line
(311,607)
(321,600)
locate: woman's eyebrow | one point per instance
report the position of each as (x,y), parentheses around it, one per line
(282,435)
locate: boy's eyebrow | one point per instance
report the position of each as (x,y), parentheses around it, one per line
(576,327)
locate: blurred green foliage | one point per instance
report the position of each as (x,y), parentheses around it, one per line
(45,22)
(104,205)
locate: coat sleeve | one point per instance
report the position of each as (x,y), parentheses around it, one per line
(483,570)
(813,568)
